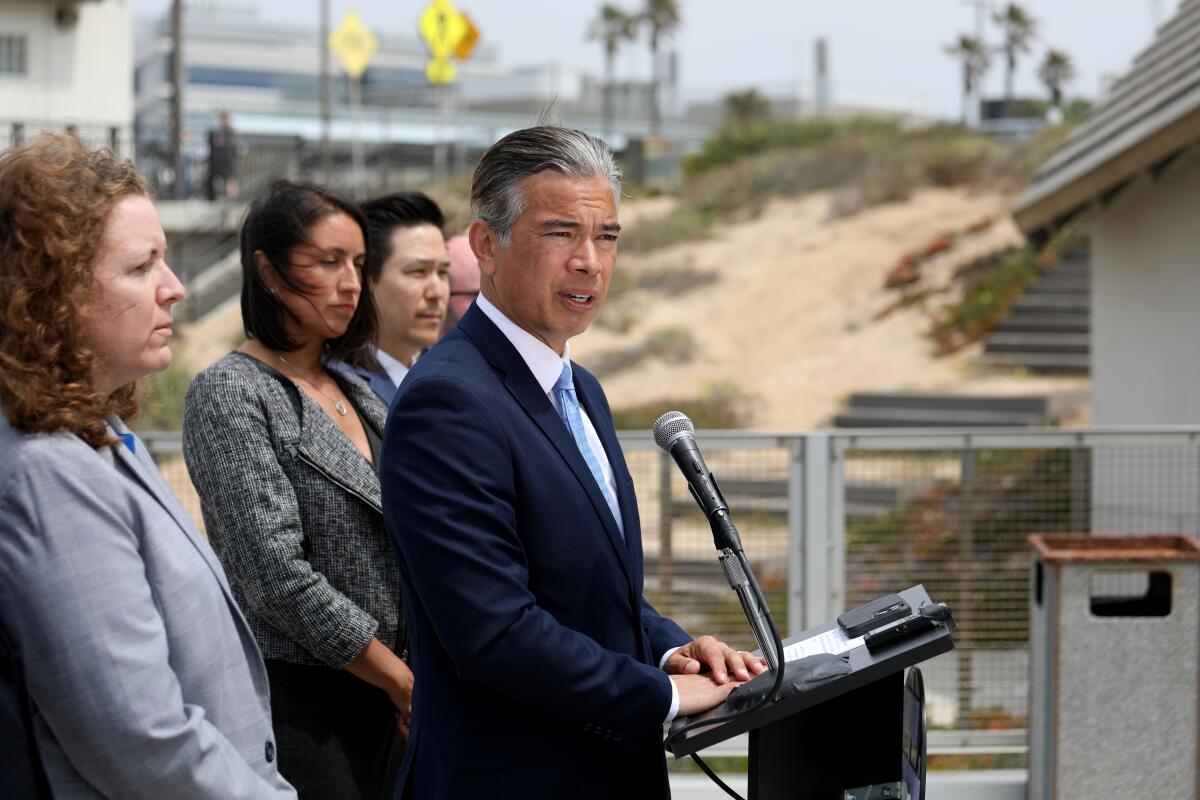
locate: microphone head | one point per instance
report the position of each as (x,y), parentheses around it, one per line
(670,426)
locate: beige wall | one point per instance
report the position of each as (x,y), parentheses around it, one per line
(1146,348)
(81,75)
(1146,301)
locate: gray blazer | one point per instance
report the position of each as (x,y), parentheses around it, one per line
(141,676)
(293,510)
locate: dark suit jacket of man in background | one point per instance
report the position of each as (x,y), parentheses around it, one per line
(535,653)
(380,383)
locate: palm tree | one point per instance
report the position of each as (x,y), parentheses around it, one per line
(746,106)
(611,28)
(975,60)
(1055,70)
(1020,29)
(661,17)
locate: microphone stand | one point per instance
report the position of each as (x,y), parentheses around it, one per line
(741,580)
(768,685)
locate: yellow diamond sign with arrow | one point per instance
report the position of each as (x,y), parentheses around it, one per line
(354,44)
(442,28)
(470,37)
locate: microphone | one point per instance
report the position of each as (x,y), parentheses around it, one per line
(675,433)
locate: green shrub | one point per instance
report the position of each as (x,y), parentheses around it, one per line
(890,178)
(990,296)
(867,162)
(985,302)
(719,405)
(673,345)
(955,161)
(684,224)
(733,143)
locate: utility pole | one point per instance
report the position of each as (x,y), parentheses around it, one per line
(176,131)
(326,99)
(982,9)
(821,94)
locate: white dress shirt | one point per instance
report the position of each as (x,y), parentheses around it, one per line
(394,367)
(546,365)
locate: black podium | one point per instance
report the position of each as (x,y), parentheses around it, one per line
(843,734)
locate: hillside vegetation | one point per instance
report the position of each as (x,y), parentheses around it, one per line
(864,162)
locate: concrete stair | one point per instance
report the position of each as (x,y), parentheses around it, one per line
(924,410)
(1048,330)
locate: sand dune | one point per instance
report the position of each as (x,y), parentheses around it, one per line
(791,317)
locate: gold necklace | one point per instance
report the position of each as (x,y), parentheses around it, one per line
(337,403)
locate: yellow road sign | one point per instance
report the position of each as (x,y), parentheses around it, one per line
(467,43)
(442,28)
(354,44)
(440,70)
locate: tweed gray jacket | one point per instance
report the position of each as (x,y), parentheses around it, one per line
(293,511)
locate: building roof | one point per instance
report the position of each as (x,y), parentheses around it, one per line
(1148,117)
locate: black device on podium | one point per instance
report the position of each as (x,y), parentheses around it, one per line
(860,729)
(848,727)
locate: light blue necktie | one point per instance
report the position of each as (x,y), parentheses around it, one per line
(564,389)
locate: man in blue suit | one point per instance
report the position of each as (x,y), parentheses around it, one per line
(541,670)
(409,271)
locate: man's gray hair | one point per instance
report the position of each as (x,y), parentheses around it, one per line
(496,196)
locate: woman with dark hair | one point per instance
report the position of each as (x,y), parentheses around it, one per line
(126,668)
(283,450)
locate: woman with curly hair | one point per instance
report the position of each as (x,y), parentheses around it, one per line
(126,669)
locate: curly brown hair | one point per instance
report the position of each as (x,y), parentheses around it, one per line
(55,198)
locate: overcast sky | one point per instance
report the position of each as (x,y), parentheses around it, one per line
(882,51)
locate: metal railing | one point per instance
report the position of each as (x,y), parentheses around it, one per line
(831,519)
(17,132)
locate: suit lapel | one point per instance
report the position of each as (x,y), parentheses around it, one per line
(323,444)
(382,385)
(143,469)
(524,388)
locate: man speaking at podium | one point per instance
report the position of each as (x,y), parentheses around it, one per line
(541,671)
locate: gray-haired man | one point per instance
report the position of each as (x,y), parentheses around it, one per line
(541,670)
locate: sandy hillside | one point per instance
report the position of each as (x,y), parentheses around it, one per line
(790,318)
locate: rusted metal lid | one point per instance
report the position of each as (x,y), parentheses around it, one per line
(1075,548)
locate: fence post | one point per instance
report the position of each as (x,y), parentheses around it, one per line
(816,529)
(665,511)
(966,554)
(795,521)
(836,465)
(1080,463)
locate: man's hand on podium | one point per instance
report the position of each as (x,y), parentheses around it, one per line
(700,692)
(718,658)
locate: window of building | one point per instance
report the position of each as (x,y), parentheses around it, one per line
(12,54)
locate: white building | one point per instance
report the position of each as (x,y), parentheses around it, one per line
(1132,170)
(67,64)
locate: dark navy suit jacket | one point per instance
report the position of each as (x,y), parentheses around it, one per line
(380,383)
(535,653)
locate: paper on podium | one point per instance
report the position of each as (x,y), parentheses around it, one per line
(832,641)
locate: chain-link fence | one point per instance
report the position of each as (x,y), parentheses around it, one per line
(832,519)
